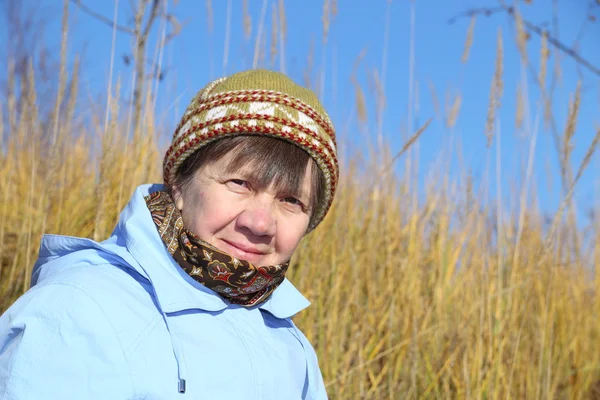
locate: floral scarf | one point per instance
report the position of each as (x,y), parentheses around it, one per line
(237,281)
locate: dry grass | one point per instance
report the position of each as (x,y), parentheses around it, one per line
(247,19)
(437,298)
(469,40)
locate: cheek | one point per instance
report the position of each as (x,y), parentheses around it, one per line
(289,237)
(193,209)
(206,215)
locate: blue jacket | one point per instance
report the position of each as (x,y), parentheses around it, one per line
(120,319)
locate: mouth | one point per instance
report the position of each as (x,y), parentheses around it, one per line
(248,253)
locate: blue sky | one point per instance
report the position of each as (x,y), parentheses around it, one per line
(195,57)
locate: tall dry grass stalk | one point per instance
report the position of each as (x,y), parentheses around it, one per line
(326,19)
(468,40)
(209,16)
(569,133)
(453,111)
(496,90)
(361,105)
(282,35)
(260,38)
(520,108)
(522,36)
(274,32)
(227,37)
(247,19)
(544,55)
(443,297)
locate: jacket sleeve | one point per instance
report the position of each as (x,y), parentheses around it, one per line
(57,343)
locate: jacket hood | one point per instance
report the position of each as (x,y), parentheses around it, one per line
(136,245)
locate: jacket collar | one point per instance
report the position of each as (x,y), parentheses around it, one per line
(175,289)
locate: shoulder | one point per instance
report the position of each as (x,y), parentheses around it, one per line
(107,285)
(112,299)
(66,293)
(92,279)
(75,299)
(56,336)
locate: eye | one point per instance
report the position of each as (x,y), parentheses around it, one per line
(292,200)
(238,185)
(239,182)
(295,204)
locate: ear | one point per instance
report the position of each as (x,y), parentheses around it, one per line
(177,197)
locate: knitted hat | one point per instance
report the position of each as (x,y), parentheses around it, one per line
(258,102)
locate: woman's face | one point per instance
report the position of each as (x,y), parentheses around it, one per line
(227,210)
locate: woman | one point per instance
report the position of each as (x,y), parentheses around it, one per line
(188,297)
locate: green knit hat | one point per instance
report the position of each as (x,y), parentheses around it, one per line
(258,102)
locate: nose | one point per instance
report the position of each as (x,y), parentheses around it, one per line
(258,218)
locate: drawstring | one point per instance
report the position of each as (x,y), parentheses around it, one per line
(176,353)
(181,387)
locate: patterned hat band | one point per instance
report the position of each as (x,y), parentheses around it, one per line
(264,103)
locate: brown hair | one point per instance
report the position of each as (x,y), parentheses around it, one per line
(272,161)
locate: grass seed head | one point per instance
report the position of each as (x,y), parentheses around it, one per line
(468,40)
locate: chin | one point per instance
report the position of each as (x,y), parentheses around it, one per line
(257,261)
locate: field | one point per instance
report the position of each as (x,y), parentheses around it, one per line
(418,291)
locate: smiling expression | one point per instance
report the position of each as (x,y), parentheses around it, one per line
(228,210)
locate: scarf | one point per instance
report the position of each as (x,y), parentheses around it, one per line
(237,281)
